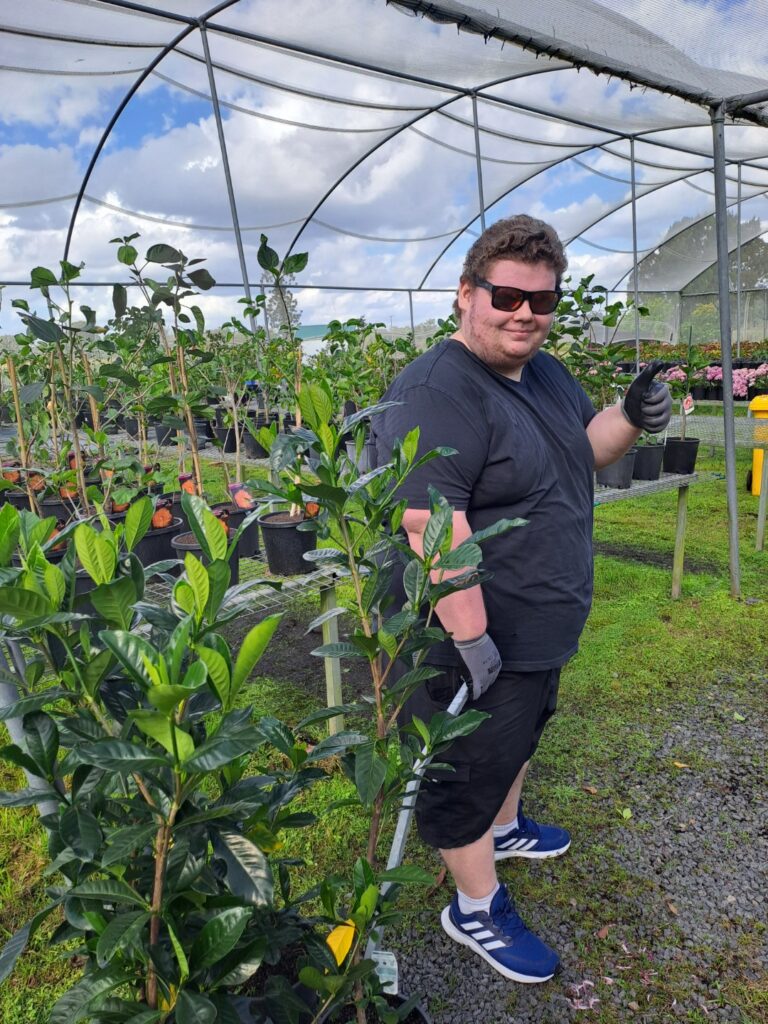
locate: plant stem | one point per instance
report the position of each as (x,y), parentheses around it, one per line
(79,468)
(24,455)
(196,467)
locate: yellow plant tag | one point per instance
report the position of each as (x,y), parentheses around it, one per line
(340,940)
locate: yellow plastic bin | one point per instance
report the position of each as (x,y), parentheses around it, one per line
(758,408)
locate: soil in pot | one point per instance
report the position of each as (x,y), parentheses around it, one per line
(648,461)
(285,545)
(155,545)
(184,542)
(680,454)
(619,473)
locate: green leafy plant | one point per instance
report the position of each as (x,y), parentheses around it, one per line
(137,738)
(359,516)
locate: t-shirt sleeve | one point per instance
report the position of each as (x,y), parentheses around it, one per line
(442,422)
(588,411)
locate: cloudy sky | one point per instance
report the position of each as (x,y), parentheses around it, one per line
(400,153)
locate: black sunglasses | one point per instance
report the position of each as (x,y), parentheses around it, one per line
(509,299)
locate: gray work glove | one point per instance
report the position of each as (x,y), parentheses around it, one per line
(648,404)
(483,662)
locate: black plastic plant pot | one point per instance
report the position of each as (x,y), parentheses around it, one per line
(184,542)
(248,544)
(619,473)
(155,545)
(58,507)
(165,435)
(648,460)
(680,454)
(285,545)
(131,427)
(252,448)
(367,459)
(19,499)
(227,437)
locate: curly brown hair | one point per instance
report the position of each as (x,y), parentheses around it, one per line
(521,238)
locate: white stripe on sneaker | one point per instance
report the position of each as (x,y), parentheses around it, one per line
(493,945)
(471,926)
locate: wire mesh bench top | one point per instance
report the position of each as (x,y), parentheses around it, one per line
(749,431)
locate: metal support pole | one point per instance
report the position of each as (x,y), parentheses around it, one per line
(479,162)
(738,264)
(634,251)
(721,228)
(410,306)
(225,165)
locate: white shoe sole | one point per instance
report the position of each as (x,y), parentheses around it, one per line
(450,928)
(531,854)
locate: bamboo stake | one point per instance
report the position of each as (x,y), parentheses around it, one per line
(79,467)
(196,467)
(22,441)
(54,413)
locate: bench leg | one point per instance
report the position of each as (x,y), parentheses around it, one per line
(679,553)
(332,665)
(762,504)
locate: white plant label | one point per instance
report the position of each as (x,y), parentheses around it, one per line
(386,968)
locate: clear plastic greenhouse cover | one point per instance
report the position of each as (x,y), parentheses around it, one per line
(374,136)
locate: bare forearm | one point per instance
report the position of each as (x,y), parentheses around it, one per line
(610,435)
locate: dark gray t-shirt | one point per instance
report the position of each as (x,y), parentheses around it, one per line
(522,450)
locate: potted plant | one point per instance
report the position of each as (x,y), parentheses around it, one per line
(680,452)
(359,516)
(649,455)
(157,838)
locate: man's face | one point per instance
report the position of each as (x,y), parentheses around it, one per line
(505,341)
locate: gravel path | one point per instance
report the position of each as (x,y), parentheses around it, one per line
(688,918)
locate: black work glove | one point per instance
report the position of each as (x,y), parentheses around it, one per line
(648,404)
(483,662)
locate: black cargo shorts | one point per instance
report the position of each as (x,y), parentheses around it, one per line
(455,808)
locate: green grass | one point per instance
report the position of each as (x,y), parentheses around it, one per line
(642,654)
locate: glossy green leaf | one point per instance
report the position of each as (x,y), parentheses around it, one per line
(253,646)
(109,890)
(130,650)
(267,257)
(218,673)
(96,554)
(181,956)
(41,736)
(114,601)
(370,772)
(119,756)
(55,584)
(10,528)
(45,330)
(218,937)
(127,255)
(161,729)
(17,943)
(162,254)
(24,605)
(218,576)
(220,750)
(28,704)
(74,1004)
(119,299)
(137,521)
(126,841)
(194,1008)
(201,279)
(184,596)
(166,698)
(122,932)
(253,957)
(197,577)
(249,876)
(42,277)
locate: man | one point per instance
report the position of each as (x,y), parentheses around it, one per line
(527,441)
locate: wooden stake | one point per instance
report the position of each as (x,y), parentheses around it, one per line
(20,428)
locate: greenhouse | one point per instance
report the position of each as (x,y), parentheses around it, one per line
(231,234)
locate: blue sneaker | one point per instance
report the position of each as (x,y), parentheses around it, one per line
(502,939)
(528,839)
